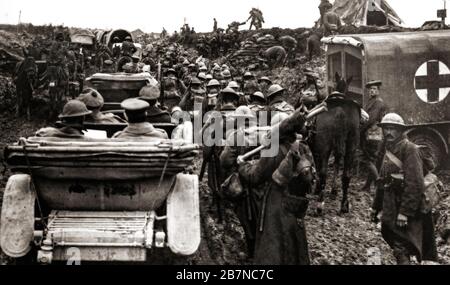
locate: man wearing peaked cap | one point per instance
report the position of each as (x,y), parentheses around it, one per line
(377,83)
(155,114)
(136,114)
(371,134)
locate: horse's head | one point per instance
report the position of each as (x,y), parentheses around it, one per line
(342,84)
(52,75)
(30,68)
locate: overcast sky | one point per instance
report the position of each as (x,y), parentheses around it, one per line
(152,16)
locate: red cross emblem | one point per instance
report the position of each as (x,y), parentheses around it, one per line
(432,81)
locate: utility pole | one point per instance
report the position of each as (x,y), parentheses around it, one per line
(18,24)
(443,14)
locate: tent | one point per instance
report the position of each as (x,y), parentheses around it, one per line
(366,13)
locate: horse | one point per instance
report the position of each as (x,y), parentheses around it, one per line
(25,79)
(56,79)
(337,132)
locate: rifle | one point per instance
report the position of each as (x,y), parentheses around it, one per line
(278,128)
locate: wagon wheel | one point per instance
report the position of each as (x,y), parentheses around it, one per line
(433,148)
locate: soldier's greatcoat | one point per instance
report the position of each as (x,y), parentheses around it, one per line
(405,198)
(283,236)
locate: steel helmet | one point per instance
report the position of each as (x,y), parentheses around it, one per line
(226,73)
(149,93)
(233,84)
(278,118)
(74,108)
(243,112)
(265,78)
(209,76)
(203,68)
(274,89)
(228,90)
(225,67)
(195,81)
(213,82)
(91,98)
(202,76)
(392,119)
(259,94)
(248,75)
(186,62)
(171,71)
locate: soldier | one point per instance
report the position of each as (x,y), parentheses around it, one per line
(235,86)
(404,225)
(228,100)
(136,115)
(163,33)
(237,143)
(275,56)
(216,72)
(324,6)
(212,93)
(94,102)
(371,133)
(108,66)
(194,94)
(226,78)
(281,203)
(257,103)
(257,19)
(310,94)
(202,77)
(192,72)
(233,28)
(116,50)
(128,48)
(215,25)
(276,102)
(209,77)
(103,53)
(264,84)
(72,118)
(173,88)
(155,114)
(331,21)
(250,84)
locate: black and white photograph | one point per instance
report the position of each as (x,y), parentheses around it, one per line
(224,133)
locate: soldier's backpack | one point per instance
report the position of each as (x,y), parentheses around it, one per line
(434,188)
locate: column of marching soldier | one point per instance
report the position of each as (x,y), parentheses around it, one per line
(269,193)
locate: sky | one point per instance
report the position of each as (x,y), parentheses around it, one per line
(152,16)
